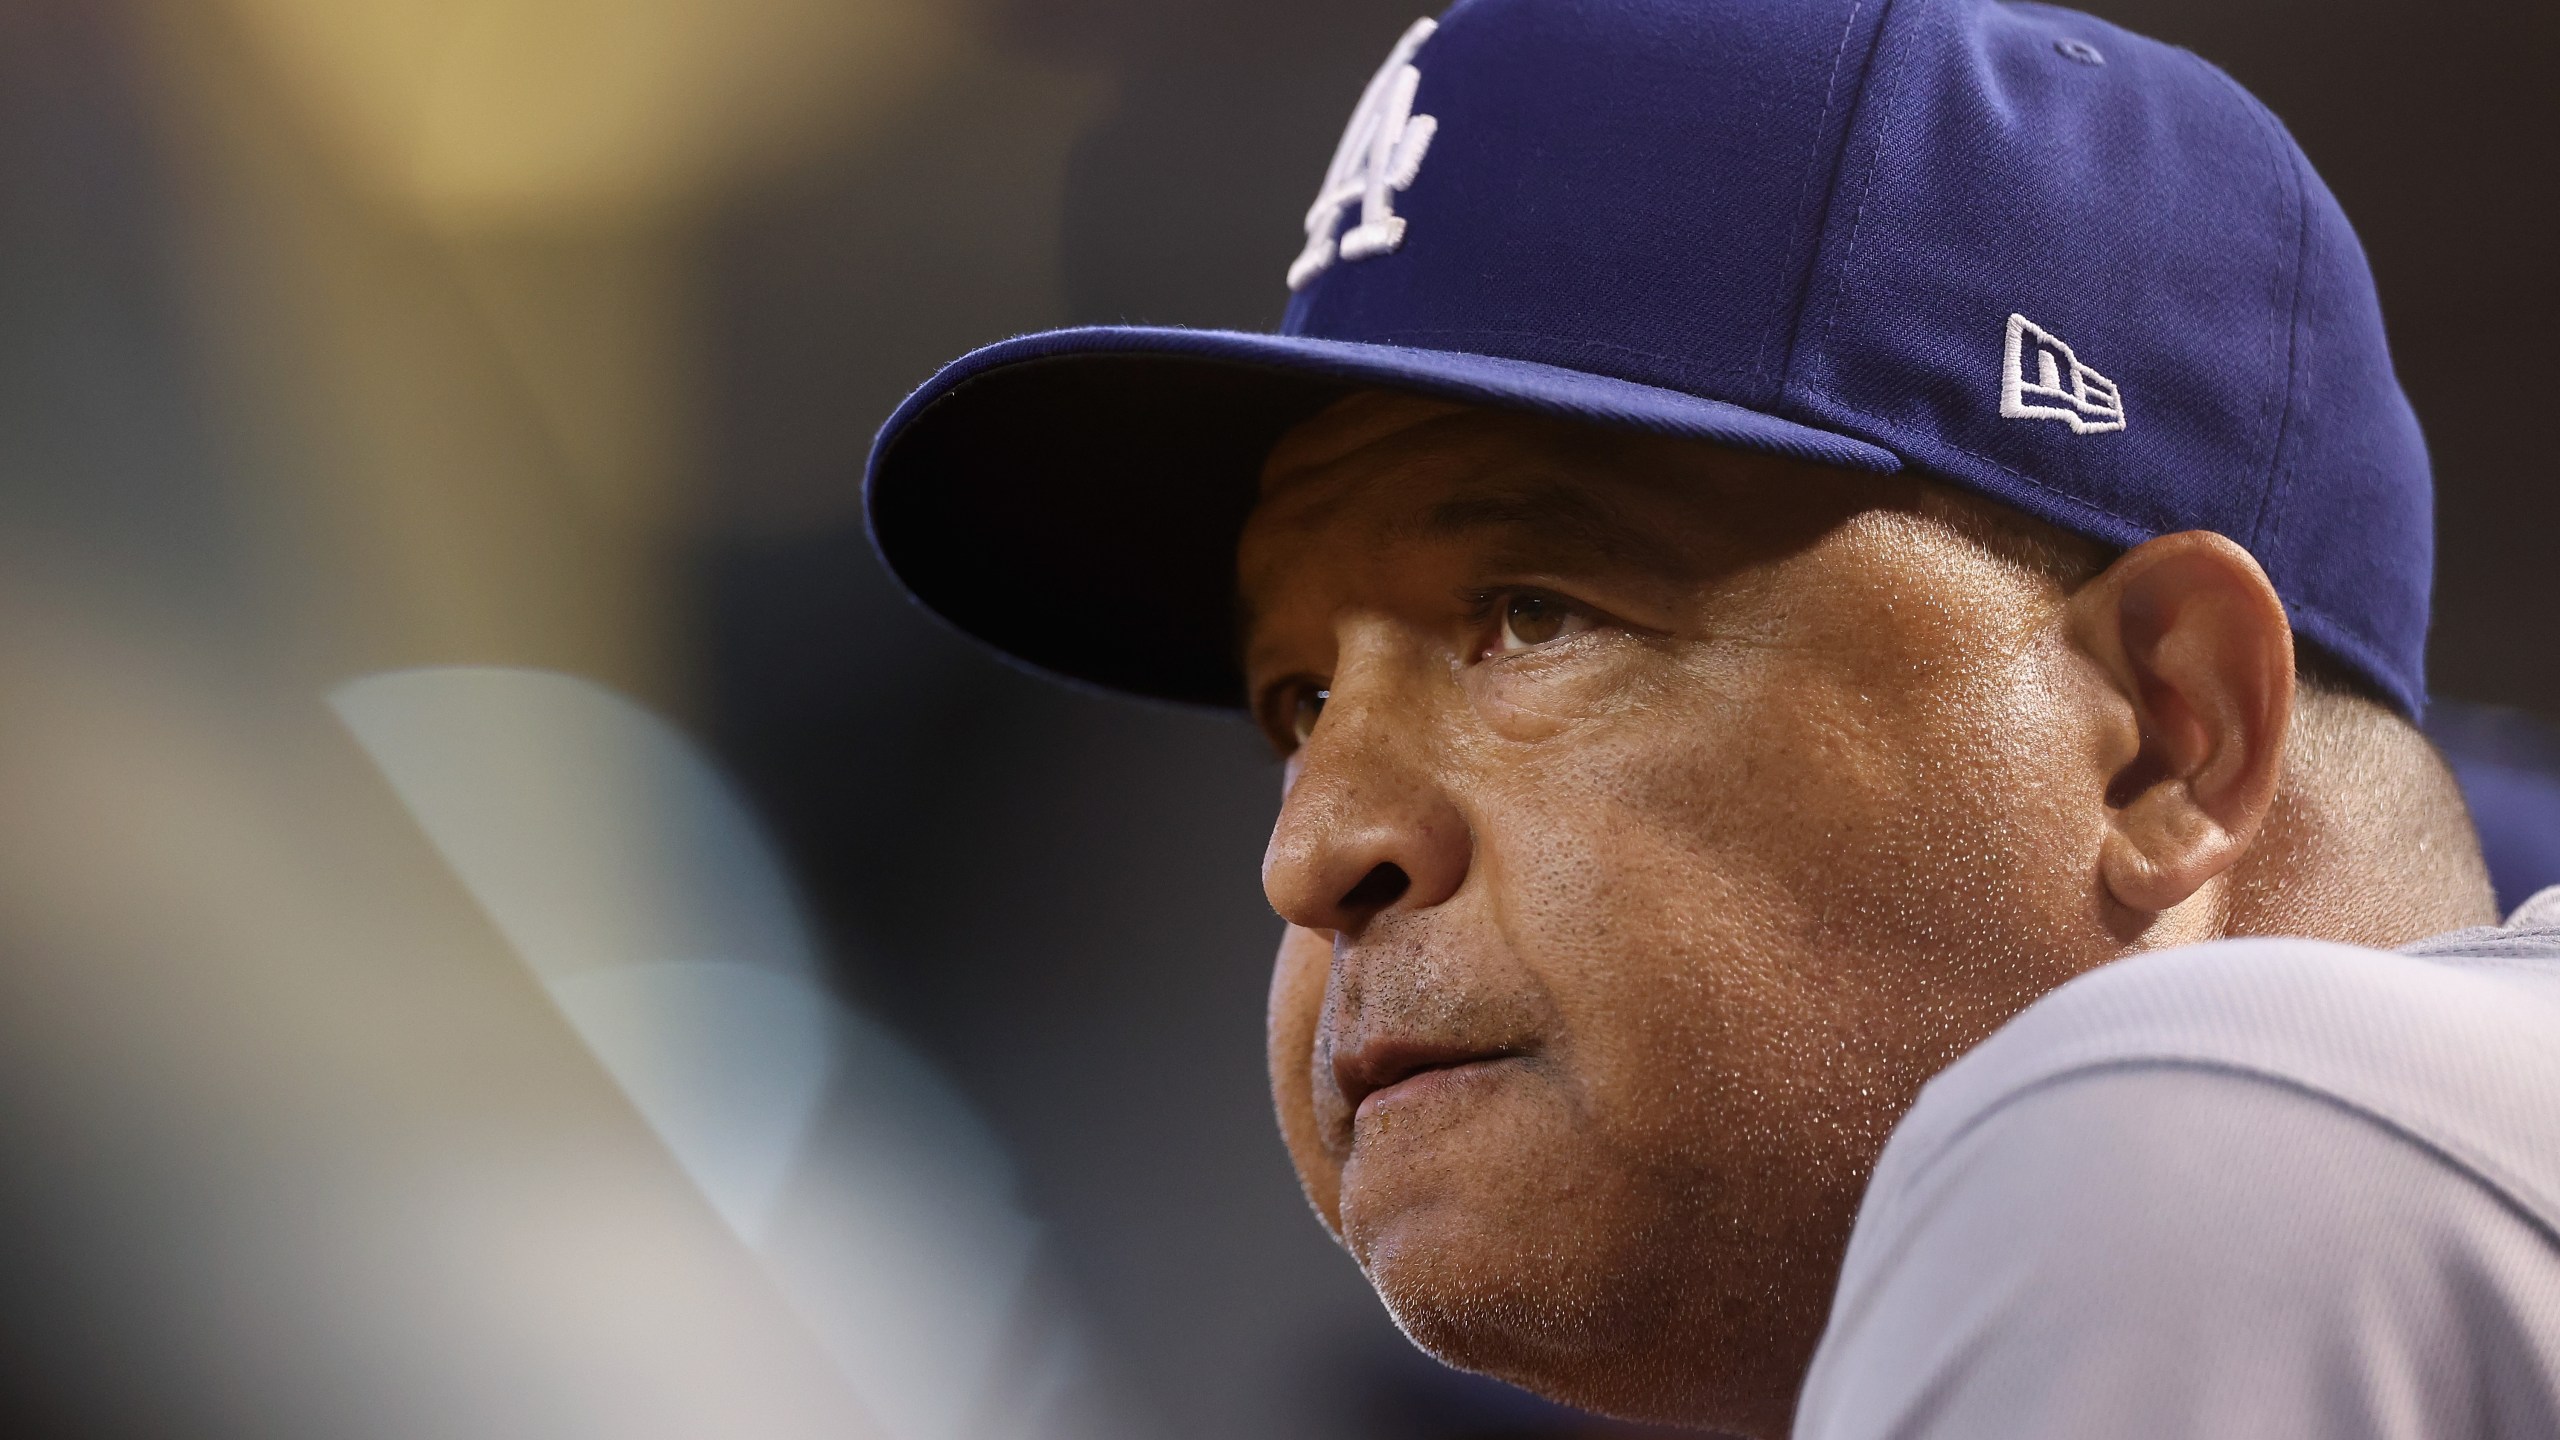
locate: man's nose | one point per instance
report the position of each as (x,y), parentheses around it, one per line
(1369,824)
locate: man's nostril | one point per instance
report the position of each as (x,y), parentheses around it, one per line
(1378,889)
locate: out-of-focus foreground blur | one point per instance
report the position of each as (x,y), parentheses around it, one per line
(509,926)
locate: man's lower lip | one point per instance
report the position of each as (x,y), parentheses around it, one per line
(1422,1084)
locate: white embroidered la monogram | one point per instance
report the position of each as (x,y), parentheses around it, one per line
(1380,154)
(2063,389)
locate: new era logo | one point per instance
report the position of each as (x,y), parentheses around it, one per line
(2054,385)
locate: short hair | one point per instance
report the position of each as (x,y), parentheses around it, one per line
(2071,561)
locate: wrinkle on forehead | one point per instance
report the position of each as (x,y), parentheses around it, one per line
(1346,427)
(1555,520)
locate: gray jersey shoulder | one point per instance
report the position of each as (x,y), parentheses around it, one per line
(2261,1187)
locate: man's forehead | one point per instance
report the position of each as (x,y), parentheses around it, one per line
(1354,492)
(1348,426)
(1407,452)
(1380,471)
(1399,467)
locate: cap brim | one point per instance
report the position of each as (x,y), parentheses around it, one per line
(1074,498)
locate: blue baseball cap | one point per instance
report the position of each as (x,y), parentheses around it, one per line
(2007,246)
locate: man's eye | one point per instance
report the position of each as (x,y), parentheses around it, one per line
(1287,714)
(1305,708)
(1530,619)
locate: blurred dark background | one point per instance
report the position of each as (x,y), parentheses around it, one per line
(327,356)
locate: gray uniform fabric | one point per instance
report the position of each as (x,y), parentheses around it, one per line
(2258,1188)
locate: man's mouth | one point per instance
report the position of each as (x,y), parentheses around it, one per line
(1383,1070)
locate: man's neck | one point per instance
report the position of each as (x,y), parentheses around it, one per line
(2369,842)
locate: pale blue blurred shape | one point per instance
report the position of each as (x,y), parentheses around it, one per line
(641,893)
(590,830)
(726,1061)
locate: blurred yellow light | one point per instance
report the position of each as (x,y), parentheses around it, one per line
(503,113)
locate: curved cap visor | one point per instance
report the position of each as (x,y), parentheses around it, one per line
(1074,498)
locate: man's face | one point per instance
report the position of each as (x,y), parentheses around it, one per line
(1668,816)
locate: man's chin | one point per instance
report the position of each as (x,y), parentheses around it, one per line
(1485,1298)
(1477,1252)
(1531,1265)
(1556,1329)
(1442,1168)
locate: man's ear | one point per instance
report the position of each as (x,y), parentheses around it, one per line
(2197,644)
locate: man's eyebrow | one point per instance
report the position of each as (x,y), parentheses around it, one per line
(1554,519)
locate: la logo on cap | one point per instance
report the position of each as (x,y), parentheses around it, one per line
(1380,155)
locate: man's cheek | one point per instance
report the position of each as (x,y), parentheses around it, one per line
(1298,976)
